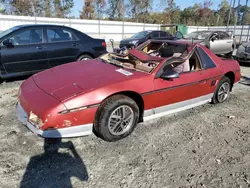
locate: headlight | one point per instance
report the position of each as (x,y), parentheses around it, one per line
(35,120)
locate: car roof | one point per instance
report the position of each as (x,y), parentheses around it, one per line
(209,31)
(39,25)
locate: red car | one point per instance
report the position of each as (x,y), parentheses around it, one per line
(109,95)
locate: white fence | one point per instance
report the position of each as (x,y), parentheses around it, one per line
(108,29)
(95,28)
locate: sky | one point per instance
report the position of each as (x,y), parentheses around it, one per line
(181,3)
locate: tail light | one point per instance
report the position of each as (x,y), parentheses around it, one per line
(104,44)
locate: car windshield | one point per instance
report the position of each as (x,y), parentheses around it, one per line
(198,35)
(6,32)
(140,34)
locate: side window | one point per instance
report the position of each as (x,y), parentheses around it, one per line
(59,35)
(155,34)
(206,61)
(30,36)
(163,34)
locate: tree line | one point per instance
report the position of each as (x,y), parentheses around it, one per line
(132,10)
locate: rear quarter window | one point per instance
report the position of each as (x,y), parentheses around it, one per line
(206,61)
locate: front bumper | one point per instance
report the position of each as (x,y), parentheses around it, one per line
(74,131)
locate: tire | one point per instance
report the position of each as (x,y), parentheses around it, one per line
(224,83)
(84,57)
(111,130)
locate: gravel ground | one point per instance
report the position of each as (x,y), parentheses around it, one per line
(207,146)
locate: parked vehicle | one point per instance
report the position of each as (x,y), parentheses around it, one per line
(143,36)
(220,42)
(109,95)
(243,52)
(28,49)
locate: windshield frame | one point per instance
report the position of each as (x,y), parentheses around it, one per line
(8,31)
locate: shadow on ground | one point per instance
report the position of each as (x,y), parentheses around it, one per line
(54,168)
(245,81)
(244,64)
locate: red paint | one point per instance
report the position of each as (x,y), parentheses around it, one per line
(86,83)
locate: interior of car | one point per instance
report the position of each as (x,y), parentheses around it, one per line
(186,65)
(159,49)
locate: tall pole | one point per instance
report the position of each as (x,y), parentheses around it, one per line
(33,10)
(242,24)
(229,15)
(236,16)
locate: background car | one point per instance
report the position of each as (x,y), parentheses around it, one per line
(27,49)
(123,90)
(243,52)
(143,36)
(219,42)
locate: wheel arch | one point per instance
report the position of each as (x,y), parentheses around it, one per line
(85,53)
(231,76)
(136,97)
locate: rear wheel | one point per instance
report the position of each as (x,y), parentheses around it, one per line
(116,118)
(222,92)
(84,57)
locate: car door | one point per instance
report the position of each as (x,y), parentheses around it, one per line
(220,43)
(28,52)
(178,93)
(62,45)
(226,42)
(215,43)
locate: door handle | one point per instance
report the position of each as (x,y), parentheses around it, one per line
(39,47)
(74,44)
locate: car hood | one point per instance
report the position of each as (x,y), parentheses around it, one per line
(69,80)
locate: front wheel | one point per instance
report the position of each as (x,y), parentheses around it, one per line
(116,118)
(222,92)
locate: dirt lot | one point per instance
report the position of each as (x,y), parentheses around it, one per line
(208,146)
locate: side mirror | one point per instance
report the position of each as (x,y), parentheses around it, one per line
(8,42)
(149,37)
(169,75)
